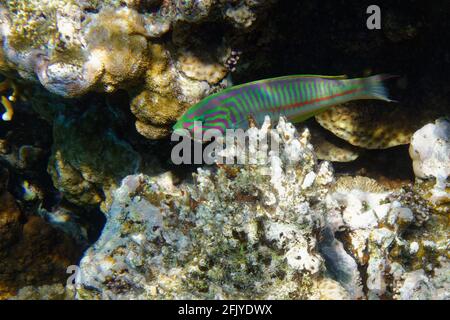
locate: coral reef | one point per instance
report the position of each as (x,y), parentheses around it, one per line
(278,229)
(90,90)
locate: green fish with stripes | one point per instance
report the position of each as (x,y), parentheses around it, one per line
(297,98)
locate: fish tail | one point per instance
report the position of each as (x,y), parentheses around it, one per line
(374,88)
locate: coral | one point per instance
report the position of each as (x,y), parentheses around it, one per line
(329,147)
(372,125)
(74,47)
(21,157)
(238,232)
(116,42)
(381,230)
(45,292)
(368,128)
(171,86)
(88,158)
(328,289)
(193,67)
(158,105)
(430,153)
(278,228)
(416,285)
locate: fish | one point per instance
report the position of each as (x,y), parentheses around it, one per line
(296,97)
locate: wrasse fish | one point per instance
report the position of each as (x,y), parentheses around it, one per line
(297,98)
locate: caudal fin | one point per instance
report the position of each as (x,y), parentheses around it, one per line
(374,87)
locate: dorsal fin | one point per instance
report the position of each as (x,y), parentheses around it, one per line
(340,77)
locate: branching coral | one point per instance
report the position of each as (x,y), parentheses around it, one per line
(5,86)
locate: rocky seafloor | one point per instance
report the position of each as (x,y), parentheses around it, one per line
(354,206)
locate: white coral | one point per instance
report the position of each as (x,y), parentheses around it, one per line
(430,152)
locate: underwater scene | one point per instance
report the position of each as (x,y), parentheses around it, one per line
(224,149)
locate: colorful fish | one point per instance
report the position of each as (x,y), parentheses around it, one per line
(296,97)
